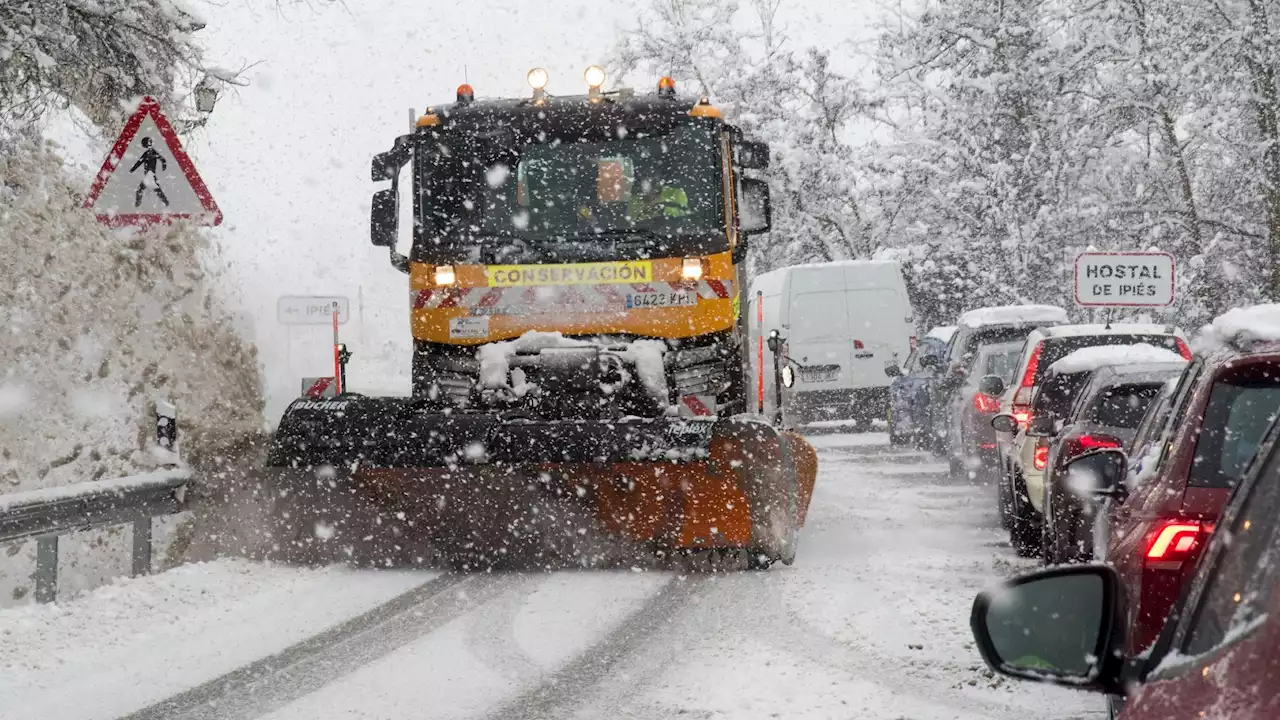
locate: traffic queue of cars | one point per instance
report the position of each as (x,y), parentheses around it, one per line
(1169,471)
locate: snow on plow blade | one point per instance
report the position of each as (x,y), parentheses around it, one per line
(377,479)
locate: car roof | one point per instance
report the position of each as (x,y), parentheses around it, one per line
(942,332)
(1060,331)
(1012,315)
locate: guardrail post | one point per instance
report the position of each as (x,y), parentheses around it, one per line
(142,547)
(46,568)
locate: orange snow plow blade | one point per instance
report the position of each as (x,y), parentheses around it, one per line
(726,485)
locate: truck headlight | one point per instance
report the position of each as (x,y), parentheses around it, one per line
(691,269)
(444,275)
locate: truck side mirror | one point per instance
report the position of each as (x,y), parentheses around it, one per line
(751,155)
(991,385)
(892,370)
(384,218)
(774,342)
(755,210)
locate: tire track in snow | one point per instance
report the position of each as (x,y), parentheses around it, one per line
(491,636)
(274,681)
(559,693)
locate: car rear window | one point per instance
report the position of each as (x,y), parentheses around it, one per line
(971,342)
(1057,348)
(1058,394)
(1123,406)
(1001,361)
(1241,406)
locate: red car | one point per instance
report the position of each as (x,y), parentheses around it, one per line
(1177,485)
(1218,656)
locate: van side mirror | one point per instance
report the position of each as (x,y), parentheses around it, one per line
(1005,423)
(992,385)
(892,370)
(755,210)
(788,375)
(384,218)
(1065,626)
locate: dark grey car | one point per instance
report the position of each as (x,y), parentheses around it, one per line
(1106,414)
(971,441)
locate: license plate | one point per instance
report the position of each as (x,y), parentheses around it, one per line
(820,375)
(661,299)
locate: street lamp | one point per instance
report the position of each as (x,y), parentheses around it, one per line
(206,93)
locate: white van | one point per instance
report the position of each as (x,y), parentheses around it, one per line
(842,322)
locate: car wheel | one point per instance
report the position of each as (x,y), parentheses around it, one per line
(1024,534)
(1004,499)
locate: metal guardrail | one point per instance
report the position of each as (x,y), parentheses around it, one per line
(47,514)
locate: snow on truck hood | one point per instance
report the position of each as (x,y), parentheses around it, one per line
(1012,314)
(1091,358)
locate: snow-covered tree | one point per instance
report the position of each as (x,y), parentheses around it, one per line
(793,99)
(96,55)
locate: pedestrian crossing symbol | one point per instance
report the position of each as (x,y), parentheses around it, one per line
(148,178)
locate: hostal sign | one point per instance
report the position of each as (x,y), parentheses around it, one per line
(1138,279)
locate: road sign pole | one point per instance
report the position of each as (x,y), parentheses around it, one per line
(337,352)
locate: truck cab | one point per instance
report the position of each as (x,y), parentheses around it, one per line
(607,218)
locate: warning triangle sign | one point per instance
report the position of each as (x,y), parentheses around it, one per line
(148,178)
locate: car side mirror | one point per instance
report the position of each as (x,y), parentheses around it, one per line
(1041,426)
(755,209)
(1064,625)
(1100,472)
(384,218)
(892,370)
(1005,423)
(991,385)
(774,342)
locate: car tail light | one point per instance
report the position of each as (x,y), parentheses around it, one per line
(1084,443)
(1029,377)
(985,403)
(1183,350)
(1174,541)
(1041,456)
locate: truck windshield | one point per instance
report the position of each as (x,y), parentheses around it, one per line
(643,189)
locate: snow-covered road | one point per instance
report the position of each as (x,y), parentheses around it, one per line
(871,622)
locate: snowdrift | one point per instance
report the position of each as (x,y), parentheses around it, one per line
(97,325)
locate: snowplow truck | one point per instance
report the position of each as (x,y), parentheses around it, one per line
(579,357)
